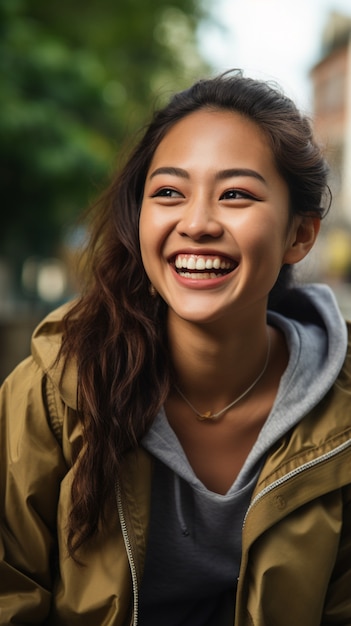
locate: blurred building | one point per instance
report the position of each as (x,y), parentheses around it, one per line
(331,82)
(331,87)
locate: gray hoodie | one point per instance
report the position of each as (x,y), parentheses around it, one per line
(194,545)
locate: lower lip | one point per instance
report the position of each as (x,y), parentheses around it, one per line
(202,283)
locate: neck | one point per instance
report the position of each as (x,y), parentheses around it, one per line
(214,367)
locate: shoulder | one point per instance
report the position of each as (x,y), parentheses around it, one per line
(43,370)
(45,348)
(324,433)
(343,381)
(47,337)
(39,395)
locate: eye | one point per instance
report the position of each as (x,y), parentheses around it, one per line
(237,194)
(167,192)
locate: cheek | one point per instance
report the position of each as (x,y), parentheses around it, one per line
(154,229)
(146,228)
(265,244)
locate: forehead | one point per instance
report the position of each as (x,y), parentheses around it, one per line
(210,138)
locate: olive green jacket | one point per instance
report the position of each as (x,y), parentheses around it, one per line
(296,558)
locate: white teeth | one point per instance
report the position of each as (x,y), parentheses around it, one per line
(194,276)
(200,264)
(194,262)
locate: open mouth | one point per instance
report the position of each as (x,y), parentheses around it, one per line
(204,267)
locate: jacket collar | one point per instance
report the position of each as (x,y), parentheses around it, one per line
(45,345)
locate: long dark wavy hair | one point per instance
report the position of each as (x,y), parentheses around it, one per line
(116,330)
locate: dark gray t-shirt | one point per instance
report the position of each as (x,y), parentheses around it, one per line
(193,555)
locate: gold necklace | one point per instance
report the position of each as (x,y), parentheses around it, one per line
(212,417)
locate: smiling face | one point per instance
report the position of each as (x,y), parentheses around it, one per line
(214,224)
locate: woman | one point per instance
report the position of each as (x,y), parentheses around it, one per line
(177,449)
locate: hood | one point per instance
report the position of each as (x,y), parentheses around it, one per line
(316,334)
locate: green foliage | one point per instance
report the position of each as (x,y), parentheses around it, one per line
(76,78)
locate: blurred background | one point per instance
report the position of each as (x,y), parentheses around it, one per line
(78,80)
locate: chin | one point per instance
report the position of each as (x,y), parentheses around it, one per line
(199,317)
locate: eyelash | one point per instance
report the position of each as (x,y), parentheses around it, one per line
(239,194)
(166,192)
(234,194)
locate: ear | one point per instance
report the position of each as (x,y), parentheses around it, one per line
(303,234)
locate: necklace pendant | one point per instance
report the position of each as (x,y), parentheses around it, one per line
(205,416)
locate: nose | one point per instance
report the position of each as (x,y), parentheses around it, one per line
(199,220)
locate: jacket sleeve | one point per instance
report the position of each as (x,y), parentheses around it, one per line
(338,602)
(31,469)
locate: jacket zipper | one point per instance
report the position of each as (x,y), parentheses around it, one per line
(129,550)
(295,472)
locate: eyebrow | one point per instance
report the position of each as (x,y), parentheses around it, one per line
(236,172)
(173,171)
(221,175)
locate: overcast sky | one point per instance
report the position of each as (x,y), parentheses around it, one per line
(271,39)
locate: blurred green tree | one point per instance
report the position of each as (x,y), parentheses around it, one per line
(76,78)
